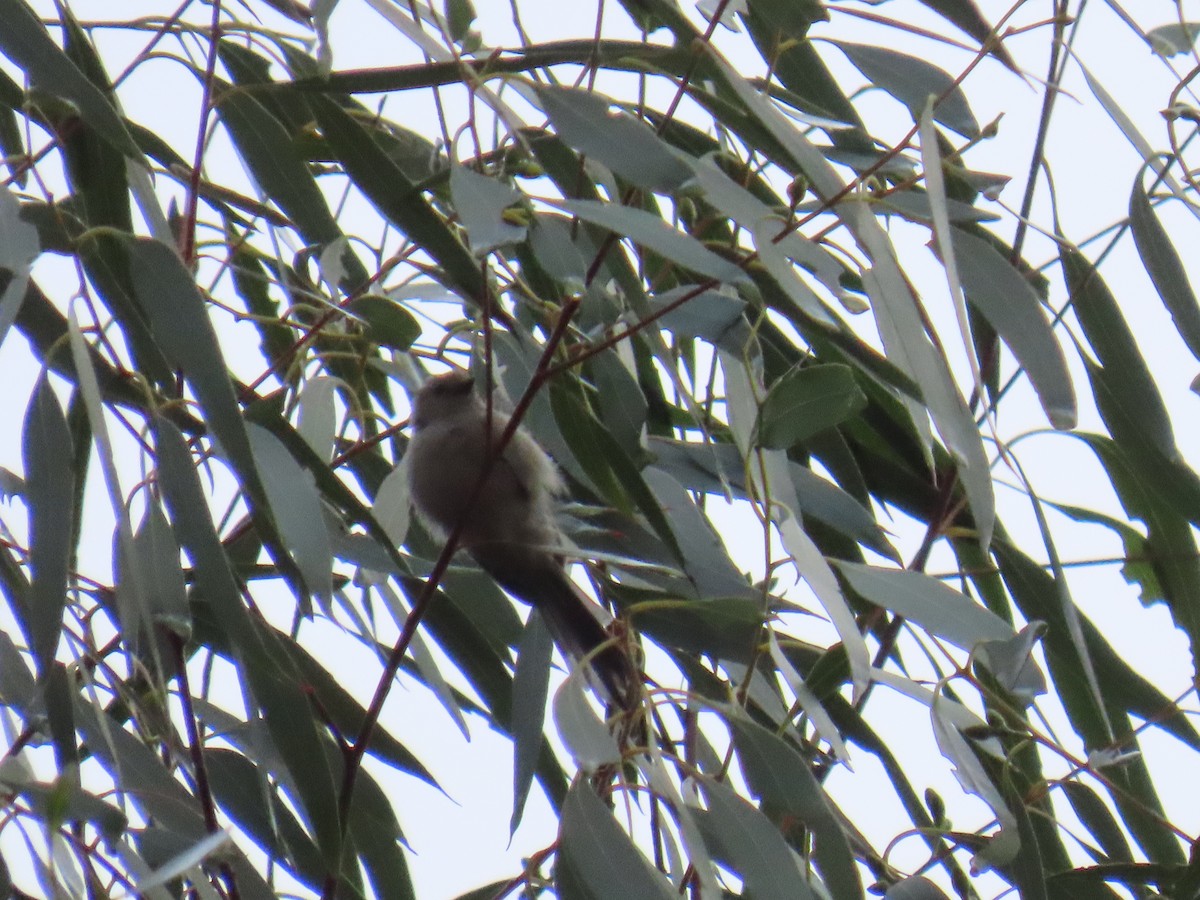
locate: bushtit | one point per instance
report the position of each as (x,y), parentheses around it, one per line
(506,521)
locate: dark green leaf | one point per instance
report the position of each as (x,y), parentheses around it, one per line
(388,323)
(745,839)
(49,492)
(248,797)
(531,682)
(25,41)
(397,198)
(782,780)
(726,628)
(379,841)
(966,15)
(297,508)
(626,146)
(460,15)
(277,686)
(1165,268)
(1008,302)
(807,401)
(268,150)
(600,858)
(913,81)
(140,774)
(181,326)
(1135,397)
(1098,819)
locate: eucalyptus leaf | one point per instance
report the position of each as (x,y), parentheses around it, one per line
(630,148)
(598,857)
(654,234)
(928,602)
(913,81)
(46,449)
(807,401)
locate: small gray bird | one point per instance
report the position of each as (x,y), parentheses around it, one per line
(507,522)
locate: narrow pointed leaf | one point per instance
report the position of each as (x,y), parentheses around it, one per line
(1165,268)
(46,448)
(626,146)
(1010,305)
(531,683)
(913,81)
(782,780)
(600,856)
(654,234)
(26,42)
(937,608)
(806,401)
(297,508)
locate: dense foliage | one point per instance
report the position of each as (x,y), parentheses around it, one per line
(683,255)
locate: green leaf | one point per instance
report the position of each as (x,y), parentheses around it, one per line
(654,234)
(1165,268)
(586,737)
(278,687)
(597,858)
(460,15)
(297,510)
(18,689)
(140,774)
(726,628)
(378,840)
(248,797)
(1145,492)
(181,326)
(711,315)
(268,150)
(62,802)
(1098,819)
(751,845)
(98,177)
(622,143)
(966,15)
(1173,38)
(531,683)
(782,780)
(1009,303)
(157,548)
(397,198)
(928,602)
(388,323)
(25,41)
(482,203)
(779,29)
(806,401)
(705,559)
(49,492)
(913,81)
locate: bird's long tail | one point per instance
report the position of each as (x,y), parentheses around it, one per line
(569,614)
